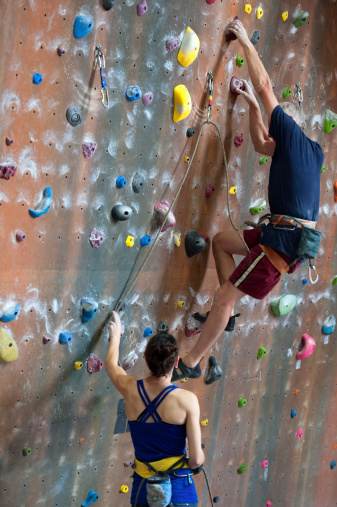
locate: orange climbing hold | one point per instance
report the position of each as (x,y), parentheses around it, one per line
(80,440)
(296,392)
(335,187)
(335,446)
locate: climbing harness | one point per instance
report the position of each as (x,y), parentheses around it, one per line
(101,63)
(299,93)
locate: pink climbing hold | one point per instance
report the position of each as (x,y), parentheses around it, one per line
(236,83)
(269,504)
(94,364)
(230,35)
(130,360)
(127,463)
(89,149)
(46,339)
(265,463)
(210,2)
(238,140)
(308,347)
(9,141)
(299,433)
(6,171)
(172,44)
(162,208)
(147,98)
(141,8)
(60,51)
(20,236)
(96,238)
(209,190)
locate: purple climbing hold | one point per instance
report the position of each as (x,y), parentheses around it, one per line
(46,339)
(172,44)
(147,98)
(230,35)
(238,140)
(94,364)
(209,190)
(141,8)
(236,83)
(9,141)
(89,149)
(20,236)
(127,463)
(60,51)
(6,171)
(96,238)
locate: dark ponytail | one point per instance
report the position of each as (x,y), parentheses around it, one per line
(161,353)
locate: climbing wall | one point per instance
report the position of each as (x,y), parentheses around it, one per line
(73,421)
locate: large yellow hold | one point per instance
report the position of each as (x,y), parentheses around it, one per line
(8,348)
(182,103)
(189,48)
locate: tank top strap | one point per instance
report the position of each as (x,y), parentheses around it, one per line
(151,406)
(161,396)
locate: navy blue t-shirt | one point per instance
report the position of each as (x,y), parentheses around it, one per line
(294,180)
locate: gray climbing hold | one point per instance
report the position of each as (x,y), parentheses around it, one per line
(89,149)
(108,4)
(162,327)
(194,243)
(214,371)
(255,37)
(73,116)
(138,183)
(121,212)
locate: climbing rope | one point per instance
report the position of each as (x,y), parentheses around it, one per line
(208,486)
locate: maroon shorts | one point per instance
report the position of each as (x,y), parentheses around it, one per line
(255,275)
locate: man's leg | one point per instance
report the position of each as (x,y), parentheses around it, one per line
(225,245)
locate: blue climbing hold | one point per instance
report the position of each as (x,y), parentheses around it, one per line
(293,413)
(89,307)
(65,337)
(37,78)
(44,205)
(147,332)
(145,240)
(329,325)
(92,497)
(120,182)
(304,281)
(10,312)
(333,464)
(82,26)
(133,93)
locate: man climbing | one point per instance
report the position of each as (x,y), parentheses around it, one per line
(294,188)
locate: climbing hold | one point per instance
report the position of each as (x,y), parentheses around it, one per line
(239,61)
(181,304)
(172,44)
(216,499)
(130,241)
(304,281)
(7,171)
(108,4)
(92,497)
(194,243)
(82,26)
(60,51)
(44,205)
(147,98)
(229,36)
(65,337)
(248,8)
(162,327)
(242,468)
(141,8)
(204,422)
(74,117)
(255,37)
(189,48)
(333,464)
(124,489)
(80,440)
(89,309)
(145,240)
(9,141)
(286,92)
(182,103)
(133,93)
(236,83)
(190,132)
(261,353)
(242,402)
(130,360)
(183,380)
(296,392)
(120,182)
(269,504)
(37,78)
(263,160)
(265,463)
(293,413)
(238,140)
(209,190)
(89,149)
(96,238)
(94,364)
(300,18)
(26,451)
(186,159)
(214,371)
(138,182)
(328,326)
(121,212)
(78,365)
(147,332)
(330,121)
(323,169)
(46,339)
(334,280)
(284,305)
(308,347)
(20,236)
(177,238)
(258,207)
(233,190)
(259,12)
(285,15)
(161,208)
(299,433)
(10,312)
(210,2)
(127,463)
(8,348)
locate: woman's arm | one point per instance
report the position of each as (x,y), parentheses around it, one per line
(196,454)
(117,375)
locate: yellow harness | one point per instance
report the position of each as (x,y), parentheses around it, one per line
(161,466)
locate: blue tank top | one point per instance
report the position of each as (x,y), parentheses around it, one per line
(157,440)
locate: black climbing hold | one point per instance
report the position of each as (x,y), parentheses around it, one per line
(255,37)
(216,499)
(194,243)
(138,183)
(202,446)
(190,132)
(73,116)
(214,371)
(121,212)
(162,327)
(230,35)
(108,4)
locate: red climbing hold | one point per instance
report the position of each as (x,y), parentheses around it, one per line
(335,187)
(9,141)
(94,364)
(193,326)
(46,339)
(236,83)
(230,35)
(6,171)
(60,51)
(210,2)
(209,190)
(238,140)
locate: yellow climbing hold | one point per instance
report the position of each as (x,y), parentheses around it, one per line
(285,15)
(204,422)
(259,13)
(182,103)
(78,365)
(177,238)
(248,8)
(183,379)
(181,304)
(189,48)
(8,348)
(233,190)
(186,159)
(124,489)
(130,241)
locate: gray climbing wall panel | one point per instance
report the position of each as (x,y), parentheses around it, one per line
(45,403)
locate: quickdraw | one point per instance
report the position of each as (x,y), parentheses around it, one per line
(299,93)
(101,63)
(210,88)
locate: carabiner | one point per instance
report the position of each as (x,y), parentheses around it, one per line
(101,63)
(299,93)
(310,268)
(210,90)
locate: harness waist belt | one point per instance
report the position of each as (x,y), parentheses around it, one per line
(275,259)
(161,466)
(291,221)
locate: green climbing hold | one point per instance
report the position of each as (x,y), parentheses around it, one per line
(242,402)
(263,160)
(261,353)
(242,468)
(239,61)
(286,92)
(300,18)
(284,305)
(334,280)
(330,121)
(258,207)
(26,451)
(323,169)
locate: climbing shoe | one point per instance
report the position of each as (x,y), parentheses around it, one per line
(185,371)
(196,321)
